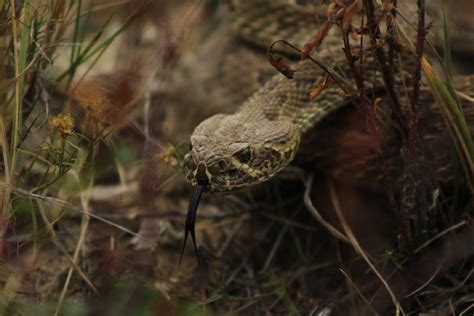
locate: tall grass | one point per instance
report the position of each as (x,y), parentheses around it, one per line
(44,153)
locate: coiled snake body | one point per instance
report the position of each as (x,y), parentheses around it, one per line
(280,121)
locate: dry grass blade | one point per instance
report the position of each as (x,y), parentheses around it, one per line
(430,279)
(4,192)
(79,245)
(440,235)
(354,242)
(309,204)
(47,199)
(58,244)
(358,291)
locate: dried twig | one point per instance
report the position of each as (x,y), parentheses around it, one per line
(309,205)
(441,234)
(387,72)
(286,70)
(358,291)
(430,279)
(369,109)
(21,192)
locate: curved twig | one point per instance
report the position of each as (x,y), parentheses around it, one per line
(309,205)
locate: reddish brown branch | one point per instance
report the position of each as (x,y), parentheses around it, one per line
(387,72)
(368,107)
(388,75)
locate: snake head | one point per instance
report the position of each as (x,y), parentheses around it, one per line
(232,152)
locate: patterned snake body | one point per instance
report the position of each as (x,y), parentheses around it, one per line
(230,152)
(282,121)
(233,151)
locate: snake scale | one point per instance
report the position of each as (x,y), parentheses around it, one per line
(281,122)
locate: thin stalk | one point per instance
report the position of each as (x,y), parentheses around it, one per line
(417,74)
(387,72)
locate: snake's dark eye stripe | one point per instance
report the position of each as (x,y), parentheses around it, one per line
(244,155)
(190,146)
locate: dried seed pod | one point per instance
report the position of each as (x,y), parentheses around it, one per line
(279,63)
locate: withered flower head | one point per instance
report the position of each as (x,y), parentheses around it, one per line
(63,122)
(168,156)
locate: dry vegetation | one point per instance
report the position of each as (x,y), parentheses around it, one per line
(92,199)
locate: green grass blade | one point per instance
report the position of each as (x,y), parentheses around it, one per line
(20,62)
(455,120)
(447,51)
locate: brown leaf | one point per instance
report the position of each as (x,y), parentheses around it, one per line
(330,11)
(320,87)
(390,6)
(349,13)
(379,43)
(340,14)
(316,40)
(340,3)
(429,26)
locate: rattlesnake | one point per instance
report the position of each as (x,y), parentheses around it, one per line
(233,151)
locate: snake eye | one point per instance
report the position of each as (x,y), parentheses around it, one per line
(244,155)
(190,147)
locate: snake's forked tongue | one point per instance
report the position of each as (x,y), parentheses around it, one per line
(191,219)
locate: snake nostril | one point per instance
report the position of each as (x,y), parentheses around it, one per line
(222,165)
